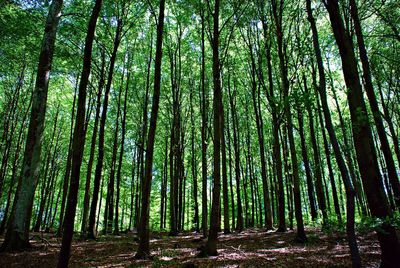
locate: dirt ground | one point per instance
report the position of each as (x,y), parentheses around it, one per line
(251,248)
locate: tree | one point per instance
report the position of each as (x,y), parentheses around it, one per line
(100,157)
(17,236)
(363,141)
(376,113)
(79,139)
(211,245)
(277,10)
(144,240)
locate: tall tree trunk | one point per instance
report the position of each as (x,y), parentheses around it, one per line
(363,141)
(100,157)
(132,194)
(310,183)
(173,184)
(121,156)
(239,221)
(67,173)
(376,113)
(224,178)
(78,140)
(211,244)
(163,208)
(86,199)
(301,236)
(351,165)
(176,135)
(204,120)
(276,146)
(230,170)
(329,164)
(17,236)
(194,166)
(144,239)
(46,182)
(109,216)
(143,130)
(349,188)
(317,164)
(258,116)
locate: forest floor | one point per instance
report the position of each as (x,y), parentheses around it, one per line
(251,248)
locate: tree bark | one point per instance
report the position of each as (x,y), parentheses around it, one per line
(310,183)
(239,220)
(78,140)
(17,236)
(301,236)
(211,244)
(121,156)
(86,198)
(100,157)
(204,120)
(144,239)
(349,188)
(373,103)
(363,142)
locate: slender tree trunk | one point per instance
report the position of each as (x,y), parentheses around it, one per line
(310,184)
(100,157)
(98,212)
(163,210)
(46,182)
(194,166)
(211,245)
(239,221)
(350,191)
(329,164)
(301,236)
(352,167)
(109,217)
(144,239)
(204,120)
(68,166)
(86,199)
(276,146)
(121,156)
(224,178)
(78,140)
(230,172)
(132,194)
(173,186)
(317,164)
(259,124)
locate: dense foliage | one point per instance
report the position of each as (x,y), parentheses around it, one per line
(271,114)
